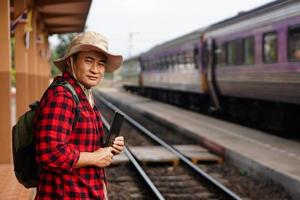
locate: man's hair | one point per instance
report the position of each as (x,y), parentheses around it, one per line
(75,56)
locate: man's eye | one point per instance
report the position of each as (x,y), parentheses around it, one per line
(101,64)
(88,60)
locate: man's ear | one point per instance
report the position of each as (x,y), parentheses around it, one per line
(68,62)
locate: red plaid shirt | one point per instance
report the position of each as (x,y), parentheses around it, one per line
(59,141)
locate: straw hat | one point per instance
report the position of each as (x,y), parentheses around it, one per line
(90,41)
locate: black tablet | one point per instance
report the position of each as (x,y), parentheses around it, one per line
(114,130)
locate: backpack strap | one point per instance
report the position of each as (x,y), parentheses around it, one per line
(71,89)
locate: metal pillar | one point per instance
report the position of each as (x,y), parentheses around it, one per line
(5,82)
(21,62)
(32,67)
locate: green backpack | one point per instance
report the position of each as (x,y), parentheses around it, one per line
(23,140)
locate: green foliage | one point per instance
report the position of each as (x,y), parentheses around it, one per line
(13,77)
(12,46)
(54,70)
(243,172)
(108,76)
(64,43)
(13,67)
(59,50)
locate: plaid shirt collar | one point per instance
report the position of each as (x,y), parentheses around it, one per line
(80,92)
(88,93)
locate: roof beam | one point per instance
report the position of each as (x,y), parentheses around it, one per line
(53,26)
(62,31)
(51,2)
(54,15)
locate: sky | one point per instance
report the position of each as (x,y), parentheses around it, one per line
(134,26)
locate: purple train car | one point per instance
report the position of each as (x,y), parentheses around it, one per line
(246,65)
(257,54)
(173,69)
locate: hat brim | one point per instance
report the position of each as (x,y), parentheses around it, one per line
(113,62)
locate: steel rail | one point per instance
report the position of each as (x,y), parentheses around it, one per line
(137,166)
(172,149)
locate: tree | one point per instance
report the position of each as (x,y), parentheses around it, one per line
(59,50)
(13,67)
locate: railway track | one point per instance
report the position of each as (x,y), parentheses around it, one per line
(161,180)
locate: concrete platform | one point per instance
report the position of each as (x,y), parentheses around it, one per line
(198,154)
(260,154)
(154,154)
(119,159)
(159,154)
(10,188)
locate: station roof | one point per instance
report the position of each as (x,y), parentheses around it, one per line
(63,16)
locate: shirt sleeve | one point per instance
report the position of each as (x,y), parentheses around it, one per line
(53,126)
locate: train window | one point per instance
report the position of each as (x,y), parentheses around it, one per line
(195,57)
(232,53)
(185,59)
(180,61)
(166,62)
(270,47)
(152,64)
(248,50)
(148,65)
(190,60)
(145,64)
(163,64)
(158,64)
(170,62)
(173,62)
(180,57)
(294,44)
(220,54)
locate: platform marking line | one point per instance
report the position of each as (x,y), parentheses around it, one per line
(264,144)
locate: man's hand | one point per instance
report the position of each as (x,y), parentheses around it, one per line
(118,145)
(102,157)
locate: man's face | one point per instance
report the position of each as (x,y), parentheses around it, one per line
(89,68)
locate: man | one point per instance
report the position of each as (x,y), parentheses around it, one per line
(70,153)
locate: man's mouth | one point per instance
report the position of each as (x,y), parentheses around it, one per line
(93,77)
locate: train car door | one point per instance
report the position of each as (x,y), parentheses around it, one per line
(212,86)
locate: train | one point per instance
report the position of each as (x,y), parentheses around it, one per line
(247,65)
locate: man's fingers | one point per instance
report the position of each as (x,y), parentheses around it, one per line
(120,143)
(119,138)
(117,147)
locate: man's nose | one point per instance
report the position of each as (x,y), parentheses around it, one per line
(95,68)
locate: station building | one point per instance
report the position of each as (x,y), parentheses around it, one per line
(25,27)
